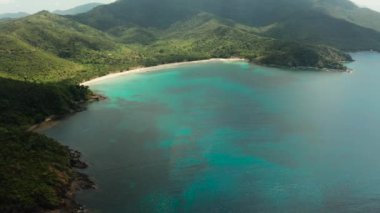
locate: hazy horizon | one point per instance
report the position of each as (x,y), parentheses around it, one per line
(372,4)
(13,6)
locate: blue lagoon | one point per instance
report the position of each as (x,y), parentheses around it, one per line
(232,137)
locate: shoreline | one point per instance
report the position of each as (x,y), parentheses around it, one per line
(81,181)
(157,68)
(52,120)
(78,182)
(176,64)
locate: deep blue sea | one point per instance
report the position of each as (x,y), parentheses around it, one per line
(233,137)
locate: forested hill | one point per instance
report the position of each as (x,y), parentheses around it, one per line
(337,23)
(47,47)
(35,171)
(348,11)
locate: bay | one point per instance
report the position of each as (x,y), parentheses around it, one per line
(233,137)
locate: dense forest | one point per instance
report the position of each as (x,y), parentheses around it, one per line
(36,170)
(23,103)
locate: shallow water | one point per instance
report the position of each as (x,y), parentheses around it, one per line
(233,137)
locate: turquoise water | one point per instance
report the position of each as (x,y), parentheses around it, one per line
(233,137)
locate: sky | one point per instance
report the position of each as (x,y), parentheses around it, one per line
(32,6)
(372,4)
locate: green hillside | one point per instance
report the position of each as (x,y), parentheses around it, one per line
(317,28)
(209,36)
(24,103)
(57,35)
(36,170)
(338,23)
(20,60)
(143,13)
(47,47)
(350,12)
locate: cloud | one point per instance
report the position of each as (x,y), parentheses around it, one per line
(5,1)
(372,4)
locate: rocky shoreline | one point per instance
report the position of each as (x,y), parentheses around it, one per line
(307,68)
(78,182)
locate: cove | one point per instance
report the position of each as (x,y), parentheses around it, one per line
(232,137)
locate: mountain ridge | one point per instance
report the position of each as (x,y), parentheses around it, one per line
(71,11)
(78,9)
(298,17)
(13,15)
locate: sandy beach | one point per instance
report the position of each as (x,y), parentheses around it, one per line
(156,68)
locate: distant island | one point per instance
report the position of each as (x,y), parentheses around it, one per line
(72,11)
(44,57)
(13,15)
